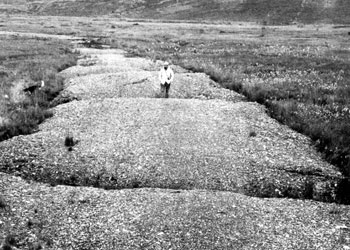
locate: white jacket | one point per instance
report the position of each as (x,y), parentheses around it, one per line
(166,76)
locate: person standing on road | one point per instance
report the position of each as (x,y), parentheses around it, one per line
(166,77)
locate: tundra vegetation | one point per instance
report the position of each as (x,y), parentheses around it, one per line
(27,61)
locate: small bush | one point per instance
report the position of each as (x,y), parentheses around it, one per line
(23,121)
(252,134)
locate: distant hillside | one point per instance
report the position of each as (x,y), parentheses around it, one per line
(13,6)
(271,11)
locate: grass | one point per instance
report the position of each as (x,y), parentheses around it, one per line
(30,60)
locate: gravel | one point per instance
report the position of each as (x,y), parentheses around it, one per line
(133,84)
(170,143)
(178,167)
(65,217)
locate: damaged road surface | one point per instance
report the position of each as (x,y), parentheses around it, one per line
(177,173)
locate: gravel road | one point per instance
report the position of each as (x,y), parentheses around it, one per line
(182,170)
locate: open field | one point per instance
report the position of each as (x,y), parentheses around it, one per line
(149,173)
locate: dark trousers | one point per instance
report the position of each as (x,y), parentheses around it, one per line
(164,89)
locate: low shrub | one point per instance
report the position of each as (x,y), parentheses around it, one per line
(24,121)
